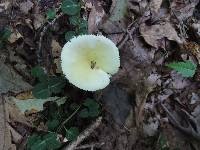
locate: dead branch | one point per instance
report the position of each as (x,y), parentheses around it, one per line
(84,135)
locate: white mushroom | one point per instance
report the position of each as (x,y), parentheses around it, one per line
(88,61)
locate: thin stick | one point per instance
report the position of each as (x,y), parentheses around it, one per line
(60,127)
(84,135)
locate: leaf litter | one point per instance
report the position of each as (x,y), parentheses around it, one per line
(147,105)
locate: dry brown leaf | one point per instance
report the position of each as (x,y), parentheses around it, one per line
(26,6)
(95,17)
(10,80)
(4,5)
(88,3)
(116,38)
(154,34)
(183,9)
(38,21)
(116,23)
(14,36)
(38,17)
(56,48)
(25,95)
(155,5)
(58,65)
(5,135)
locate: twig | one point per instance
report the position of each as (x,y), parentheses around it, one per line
(97,145)
(84,135)
(39,53)
(60,127)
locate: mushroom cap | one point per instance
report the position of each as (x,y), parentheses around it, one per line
(88,61)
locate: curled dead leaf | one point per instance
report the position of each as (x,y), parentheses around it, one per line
(154,34)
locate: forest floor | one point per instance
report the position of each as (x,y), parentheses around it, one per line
(152,102)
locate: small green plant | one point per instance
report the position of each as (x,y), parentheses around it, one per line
(47,85)
(163,144)
(51,14)
(72,8)
(186,68)
(72,133)
(48,141)
(92,109)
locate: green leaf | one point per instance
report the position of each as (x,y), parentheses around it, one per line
(69,35)
(51,13)
(41,90)
(84,113)
(72,133)
(46,88)
(39,73)
(56,84)
(5,34)
(36,104)
(83,24)
(92,110)
(2,44)
(74,106)
(32,140)
(52,124)
(83,27)
(35,143)
(70,7)
(187,68)
(46,142)
(51,141)
(74,20)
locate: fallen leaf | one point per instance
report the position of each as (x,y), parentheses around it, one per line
(38,18)
(38,21)
(36,104)
(14,36)
(155,5)
(116,38)
(141,53)
(88,3)
(137,6)
(25,95)
(58,65)
(56,48)
(183,9)
(5,135)
(177,81)
(4,6)
(118,10)
(196,29)
(11,81)
(26,6)
(117,102)
(115,22)
(154,34)
(151,128)
(95,17)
